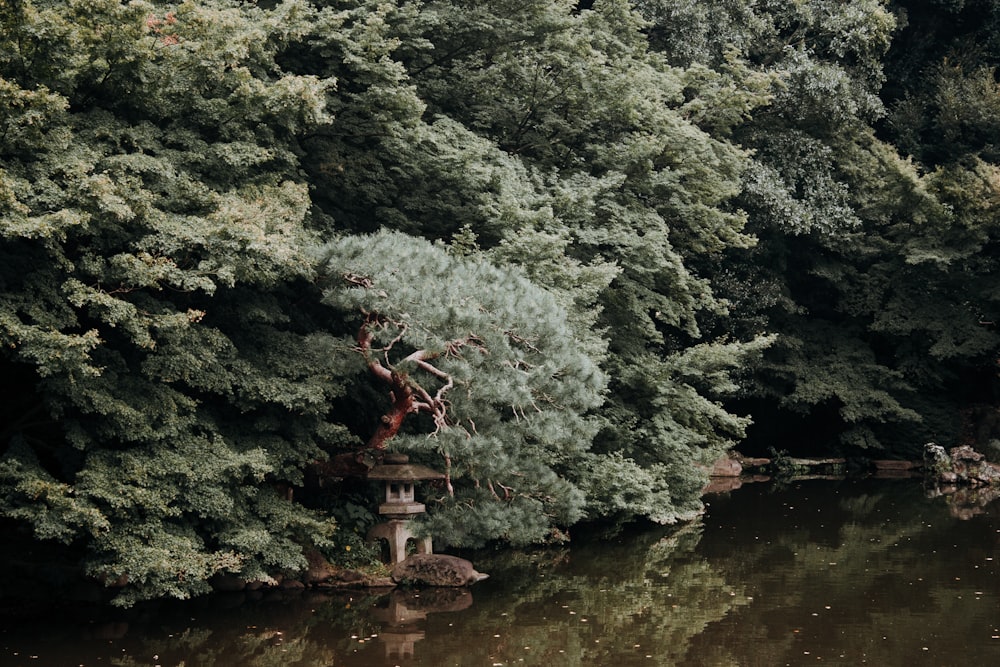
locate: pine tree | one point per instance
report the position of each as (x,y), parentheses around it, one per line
(482,377)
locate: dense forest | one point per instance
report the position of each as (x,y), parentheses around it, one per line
(566,253)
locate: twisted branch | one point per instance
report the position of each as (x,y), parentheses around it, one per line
(407,394)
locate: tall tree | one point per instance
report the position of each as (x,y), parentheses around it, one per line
(858,265)
(481,372)
(152,240)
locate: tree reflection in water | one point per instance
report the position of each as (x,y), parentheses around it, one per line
(832,572)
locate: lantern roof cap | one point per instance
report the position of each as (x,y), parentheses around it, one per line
(396,467)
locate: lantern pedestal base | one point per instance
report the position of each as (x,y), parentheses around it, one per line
(397,533)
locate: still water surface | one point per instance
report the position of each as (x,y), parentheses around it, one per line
(818,572)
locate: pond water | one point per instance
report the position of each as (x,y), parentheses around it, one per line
(817,572)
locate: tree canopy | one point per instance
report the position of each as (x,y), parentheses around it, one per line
(568,253)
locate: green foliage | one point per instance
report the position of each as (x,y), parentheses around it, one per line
(152,228)
(853,273)
(603,226)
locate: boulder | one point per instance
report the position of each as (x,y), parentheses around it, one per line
(319,570)
(936,459)
(436,570)
(960,465)
(965,453)
(726,466)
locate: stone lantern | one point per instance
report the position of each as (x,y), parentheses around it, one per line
(400,477)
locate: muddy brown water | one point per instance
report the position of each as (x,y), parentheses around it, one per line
(809,573)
